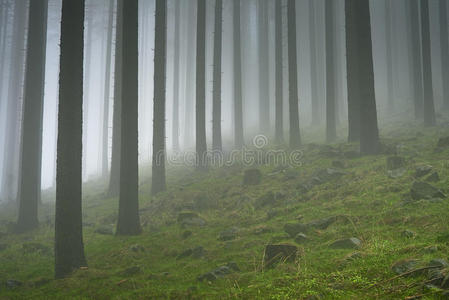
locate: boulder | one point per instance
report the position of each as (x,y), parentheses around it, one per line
(422,171)
(433,177)
(294,228)
(404,266)
(279,253)
(252,177)
(423,190)
(351,243)
(301,238)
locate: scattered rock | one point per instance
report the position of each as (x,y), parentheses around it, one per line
(405,265)
(209,276)
(12,283)
(219,272)
(105,230)
(31,248)
(252,177)
(395,162)
(301,238)
(278,253)
(267,199)
(422,190)
(433,177)
(137,248)
(233,266)
(190,219)
(408,234)
(186,234)
(228,234)
(350,243)
(131,271)
(397,173)
(422,171)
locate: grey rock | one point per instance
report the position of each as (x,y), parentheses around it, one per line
(280,252)
(137,248)
(292,229)
(301,238)
(12,283)
(198,252)
(186,234)
(350,243)
(408,234)
(433,177)
(404,266)
(209,276)
(423,190)
(397,173)
(233,266)
(228,234)
(219,272)
(351,154)
(322,223)
(395,162)
(422,171)
(438,262)
(252,177)
(190,219)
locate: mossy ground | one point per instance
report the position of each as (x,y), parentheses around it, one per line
(367,202)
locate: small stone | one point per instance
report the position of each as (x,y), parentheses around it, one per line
(301,238)
(233,266)
(252,177)
(228,234)
(137,248)
(350,243)
(280,252)
(408,234)
(262,230)
(294,228)
(353,256)
(186,234)
(421,171)
(404,266)
(322,223)
(395,162)
(12,283)
(433,177)
(209,276)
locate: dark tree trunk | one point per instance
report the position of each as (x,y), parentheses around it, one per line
(128,216)
(216,114)
(418,89)
(107,87)
(295,138)
(176,76)
(279,111)
(429,108)
(352,61)
(389,56)
(331,130)
(444,51)
(238,97)
(69,248)
(160,52)
(264,93)
(201,147)
(114,179)
(313,65)
(359,39)
(30,184)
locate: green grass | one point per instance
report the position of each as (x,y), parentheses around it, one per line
(367,202)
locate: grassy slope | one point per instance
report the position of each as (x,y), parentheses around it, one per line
(368,202)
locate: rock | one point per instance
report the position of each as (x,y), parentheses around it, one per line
(186,234)
(350,243)
(267,199)
(219,272)
(262,230)
(322,223)
(421,171)
(435,277)
(445,284)
(31,248)
(353,256)
(294,228)
(443,142)
(422,190)
(104,230)
(408,234)
(209,276)
(395,162)
(303,188)
(198,252)
(185,254)
(12,283)
(404,266)
(131,271)
(301,238)
(252,177)
(190,219)
(438,262)
(272,213)
(397,173)
(430,249)
(338,164)
(433,177)
(278,253)
(233,266)
(228,234)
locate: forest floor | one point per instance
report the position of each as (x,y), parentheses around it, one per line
(205,237)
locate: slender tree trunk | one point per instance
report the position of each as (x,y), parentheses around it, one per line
(107,89)
(216,114)
(331,130)
(418,89)
(279,111)
(201,147)
(429,108)
(128,216)
(352,61)
(160,53)
(389,46)
(69,248)
(238,97)
(176,76)
(444,51)
(114,177)
(313,65)
(264,93)
(295,138)
(30,184)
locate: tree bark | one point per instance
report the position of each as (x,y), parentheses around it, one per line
(313,65)
(418,89)
(31,152)
(176,75)
(264,93)
(69,248)
(128,216)
(444,51)
(160,52)
(279,113)
(238,97)
(331,130)
(389,60)
(295,138)
(201,147)
(216,110)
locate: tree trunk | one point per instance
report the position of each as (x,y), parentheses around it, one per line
(418,89)
(128,216)
(160,52)
(313,65)
(429,108)
(331,130)
(444,51)
(238,97)
(176,76)
(279,123)
(295,138)
(389,56)
(33,105)
(264,84)
(201,147)
(216,114)
(114,177)
(69,248)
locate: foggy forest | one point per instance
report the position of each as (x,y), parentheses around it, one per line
(224,149)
